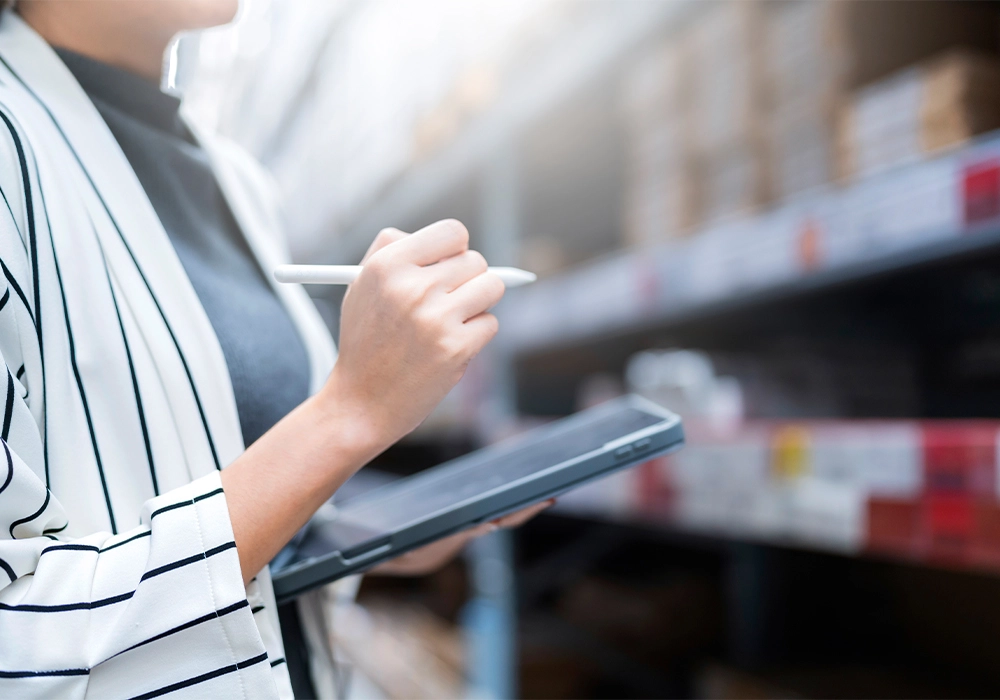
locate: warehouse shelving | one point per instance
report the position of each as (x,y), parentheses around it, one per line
(931,212)
(824,245)
(918,491)
(920,213)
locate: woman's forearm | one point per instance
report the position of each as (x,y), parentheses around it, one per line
(282,479)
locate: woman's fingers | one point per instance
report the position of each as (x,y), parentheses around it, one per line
(452,273)
(479,331)
(433,556)
(478,295)
(384,238)
(431,244)
(522,516)
(430,557)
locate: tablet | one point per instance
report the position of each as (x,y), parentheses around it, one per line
(359,532)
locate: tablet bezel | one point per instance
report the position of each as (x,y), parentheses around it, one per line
(666,436)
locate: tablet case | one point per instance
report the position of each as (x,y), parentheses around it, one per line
(368,530)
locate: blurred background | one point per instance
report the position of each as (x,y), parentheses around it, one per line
(779,218)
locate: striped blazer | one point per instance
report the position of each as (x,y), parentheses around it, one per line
(119,576)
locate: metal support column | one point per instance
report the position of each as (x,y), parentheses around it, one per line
(498,238)
(490,619)
(748,601)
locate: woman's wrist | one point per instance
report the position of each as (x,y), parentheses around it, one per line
(352,422)
(280,481)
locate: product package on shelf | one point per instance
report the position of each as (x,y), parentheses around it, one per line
(801,136)
(728,87)
(662,197)
(662,204)
(919,490)
(738,180)
(938,104)
(960,506)
(805,73)
(805,51)
(756,101)
(730,108)
(819,51)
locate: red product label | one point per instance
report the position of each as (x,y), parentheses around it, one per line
(951,524)
(981,191)
(986,549)
(648,285)
(893,525)
(656,493)
(809,245)
(950,515)
(960,458)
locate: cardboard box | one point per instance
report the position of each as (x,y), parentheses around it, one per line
(729,95)
(730,99)
(662,194)
(801,140)
(894,526)
(961,458)
(939,104)
(663,207)
(805,51)
(738,179)
(818,51)
(960,464)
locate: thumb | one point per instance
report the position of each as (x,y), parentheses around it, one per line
(384,238)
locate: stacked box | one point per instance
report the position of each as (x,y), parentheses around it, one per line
(750,103)
(805,69)
(960,463)
(926,490)
(662,191)
(730,108)
(939,104)
(893,525)
(818,51)
(955,516)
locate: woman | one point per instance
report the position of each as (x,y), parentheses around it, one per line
(145,348)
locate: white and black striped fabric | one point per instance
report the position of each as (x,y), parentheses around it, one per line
(119,576)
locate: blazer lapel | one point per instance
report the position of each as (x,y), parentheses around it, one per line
(140,256)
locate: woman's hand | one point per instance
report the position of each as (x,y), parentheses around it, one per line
(432,557)
(410,324)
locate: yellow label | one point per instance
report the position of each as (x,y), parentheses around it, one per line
(790,452)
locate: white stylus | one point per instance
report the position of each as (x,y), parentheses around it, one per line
(345,274)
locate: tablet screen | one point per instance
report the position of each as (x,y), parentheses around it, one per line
(410,500)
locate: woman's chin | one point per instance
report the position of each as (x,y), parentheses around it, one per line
(203,14)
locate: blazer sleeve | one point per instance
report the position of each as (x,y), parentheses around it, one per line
(144,613)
